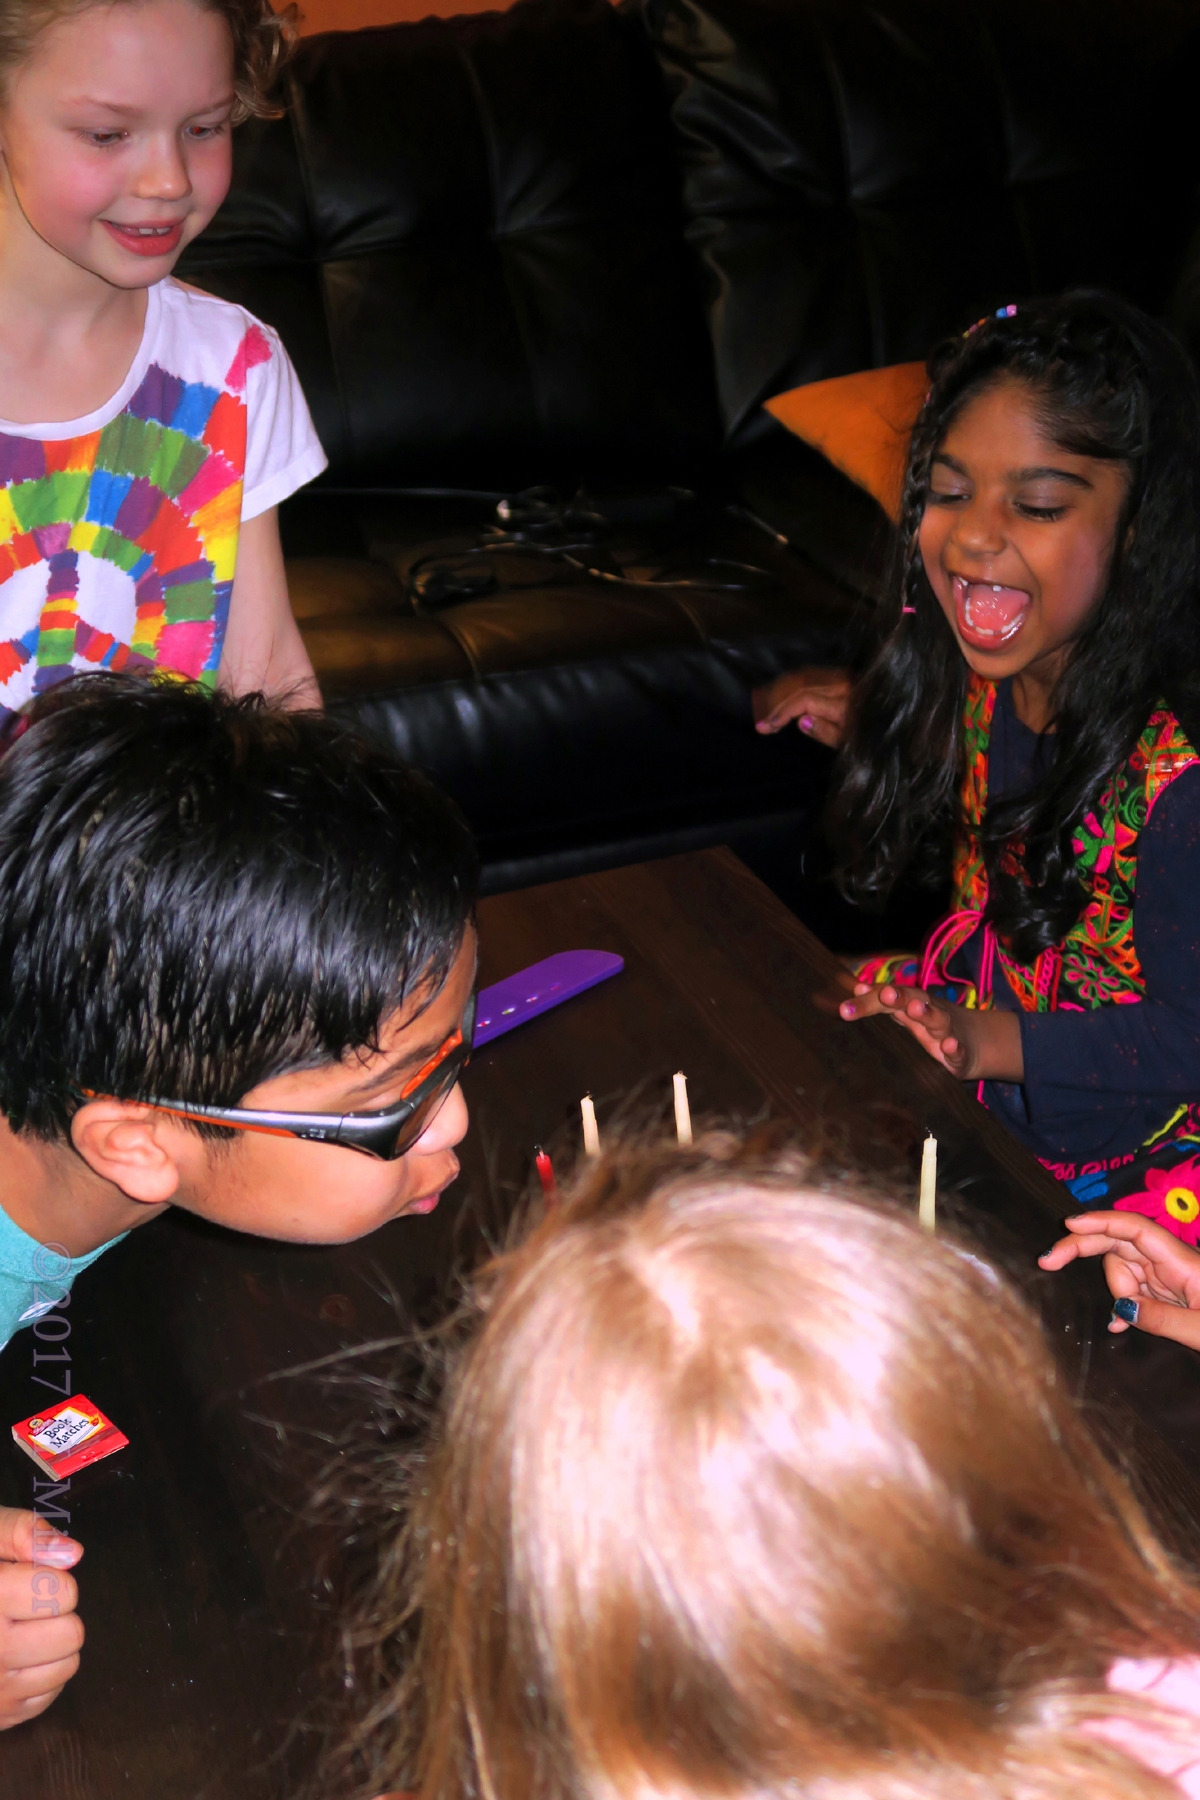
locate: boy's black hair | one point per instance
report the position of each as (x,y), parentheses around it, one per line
(199,893)
(1109,383)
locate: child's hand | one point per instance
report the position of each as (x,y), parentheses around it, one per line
(815,698)
(40,1632)
(1143,1265)
(974,1046)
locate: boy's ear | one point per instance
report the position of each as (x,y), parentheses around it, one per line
(131,1146)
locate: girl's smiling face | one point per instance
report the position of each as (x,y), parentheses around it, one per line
(1017,540)
(115,135)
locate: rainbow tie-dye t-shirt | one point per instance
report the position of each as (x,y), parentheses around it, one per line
(119,531)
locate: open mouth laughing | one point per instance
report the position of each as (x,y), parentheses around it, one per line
(989,615)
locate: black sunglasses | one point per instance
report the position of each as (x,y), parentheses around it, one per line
(387,1135)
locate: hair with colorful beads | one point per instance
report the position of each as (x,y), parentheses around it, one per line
(1110,383)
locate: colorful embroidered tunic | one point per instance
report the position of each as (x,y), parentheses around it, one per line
(119,531)
(1111,1046)
(1096,964)
(1097,968)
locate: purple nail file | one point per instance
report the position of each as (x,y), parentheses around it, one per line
(535,990)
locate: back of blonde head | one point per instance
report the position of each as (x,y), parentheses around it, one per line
(743,1486)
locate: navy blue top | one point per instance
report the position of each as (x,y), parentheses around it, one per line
(1098,1083)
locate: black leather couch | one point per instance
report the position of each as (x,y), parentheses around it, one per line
(574,248)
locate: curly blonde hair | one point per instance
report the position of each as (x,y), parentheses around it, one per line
(262,42)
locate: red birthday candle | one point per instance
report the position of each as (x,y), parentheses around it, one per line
(545,1169)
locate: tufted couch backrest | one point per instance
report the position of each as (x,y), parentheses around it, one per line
(469,235)
(861,176)
(490,242)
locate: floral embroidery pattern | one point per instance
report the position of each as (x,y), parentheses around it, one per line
(1171,1197)
(1096,963)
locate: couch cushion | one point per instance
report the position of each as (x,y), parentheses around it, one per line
(862,176)
(469,234)
(700,579)
(569,716)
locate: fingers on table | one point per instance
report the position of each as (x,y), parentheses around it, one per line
(830,999)
(1132,1228)
(26,1538)
(25,1681)
(1065,1251)
(935,1017)
(1126,1270)
(906,1004)
(37,1658)
(1097,1243)
(864,1000)
(1145,1246)
(1161,1319)
(31,1594)
(1124,1241)
(19,1712)
(25,1693)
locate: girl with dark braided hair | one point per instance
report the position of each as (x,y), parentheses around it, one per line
(1030,717)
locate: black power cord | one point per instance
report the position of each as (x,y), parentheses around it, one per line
(538,522)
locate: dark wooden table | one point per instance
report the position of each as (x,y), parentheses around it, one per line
(204,1630)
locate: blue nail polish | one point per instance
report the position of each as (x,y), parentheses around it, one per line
(1126,1311)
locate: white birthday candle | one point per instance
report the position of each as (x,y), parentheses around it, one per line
(591,1132)
(683,1116)
(925,1209)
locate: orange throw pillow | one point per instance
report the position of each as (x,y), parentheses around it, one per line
(861,423)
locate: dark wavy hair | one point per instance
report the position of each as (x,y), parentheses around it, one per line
(198,893)
(1109,383)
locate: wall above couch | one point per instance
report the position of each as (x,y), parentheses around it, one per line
(356,15)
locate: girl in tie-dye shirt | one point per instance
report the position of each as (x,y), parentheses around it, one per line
(148,431)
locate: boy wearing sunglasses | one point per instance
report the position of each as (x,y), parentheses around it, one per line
(237,969)
(237,965)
